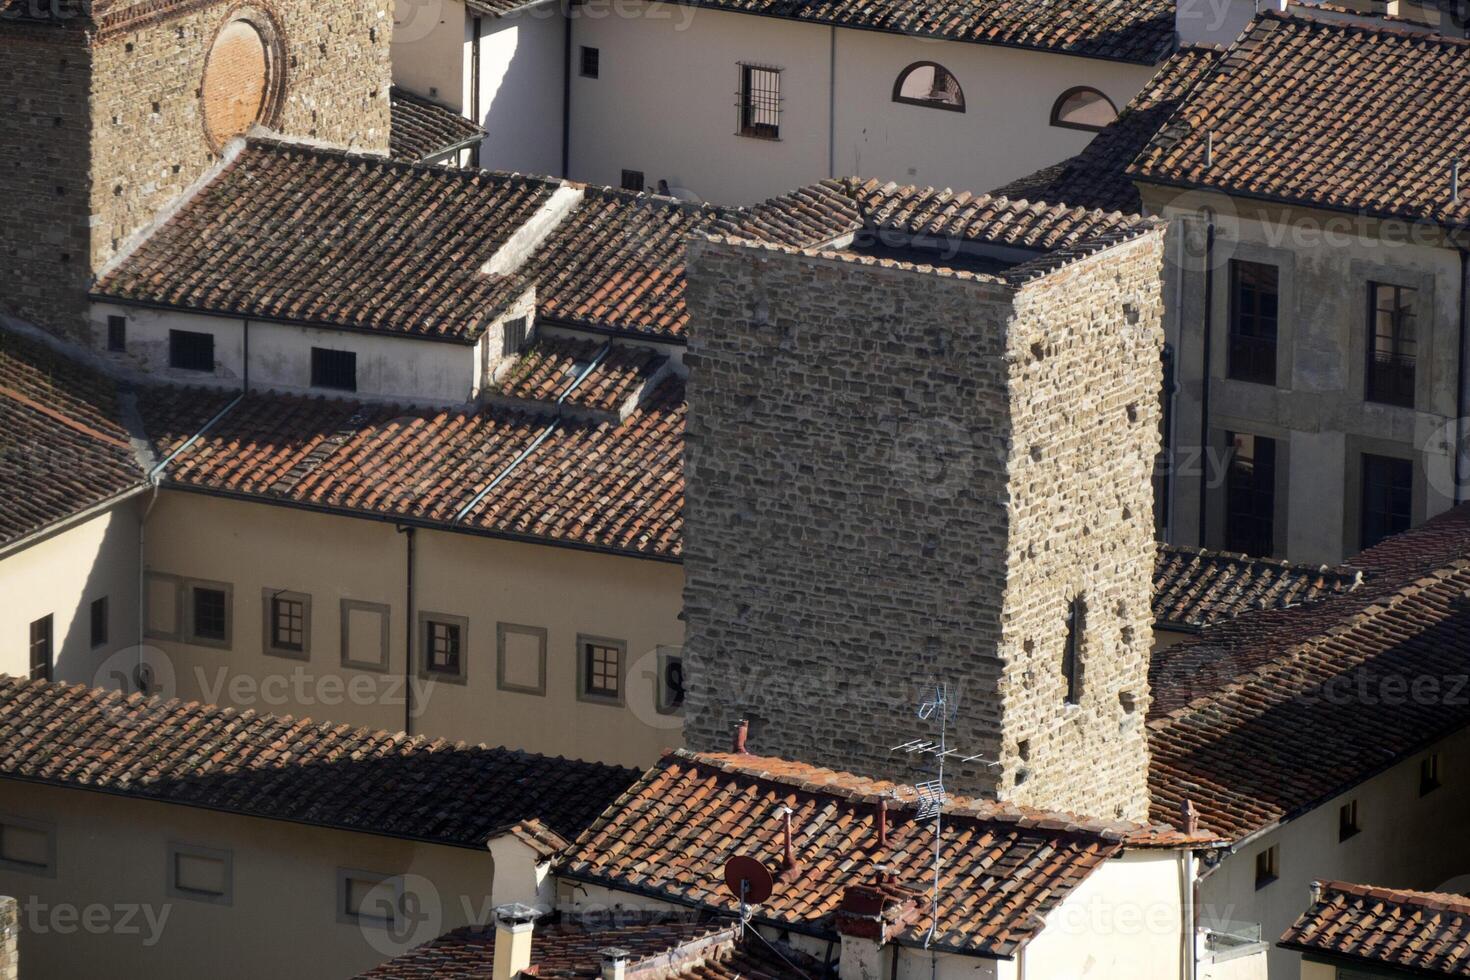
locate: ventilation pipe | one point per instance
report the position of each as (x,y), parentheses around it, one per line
(614,963)
(513,925)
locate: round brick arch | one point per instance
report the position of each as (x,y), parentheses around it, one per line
(244,76)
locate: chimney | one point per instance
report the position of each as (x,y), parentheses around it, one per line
(1190,814)
(513,925)
(742,731)
(788,856)
(882,821)
(614,963)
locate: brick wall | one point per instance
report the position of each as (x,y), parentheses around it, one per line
(886,483)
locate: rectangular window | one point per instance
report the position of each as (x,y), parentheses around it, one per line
(670,681)
(1268,865)
(117,333)
(190,351)
(99,621)
(591,61)
(514,337)
(1388,497)
(287,623)
(209,614)
(1250,495)
(1429,774)
(336,369)
(1254,302)
(633,181)
(601,668)
(1072,649)
(368,897)
(1347,821)
(444,641)
(203,874)
(365,634)
(1392,344)
(42,654)
(27,845)
(521,658)
(760,102)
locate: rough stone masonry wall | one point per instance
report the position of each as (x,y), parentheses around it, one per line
(44,160)
(845,512)
(1084,347)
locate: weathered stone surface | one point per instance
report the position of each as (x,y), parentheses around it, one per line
(897,476)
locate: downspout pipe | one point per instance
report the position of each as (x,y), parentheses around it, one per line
(1204,402)
(408,632)
(1188,889)
(566,89)
(1460,394)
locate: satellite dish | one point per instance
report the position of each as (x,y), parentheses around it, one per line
(748,879)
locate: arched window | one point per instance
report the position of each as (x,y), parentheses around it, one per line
(1083,108)
(929,84)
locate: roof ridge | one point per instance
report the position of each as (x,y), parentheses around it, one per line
(1342,569)
(1355,26)
(287,145)
(1442,901)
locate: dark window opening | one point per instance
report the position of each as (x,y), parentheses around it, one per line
(514,337)
(929,84)
(602,671)
(1268,865)
(42,655)
(210,614)
(1388,498)
(591,61)
(1072,650)
(760,102)
(117,333)
(1083,108)
(1429,774)
(673,685)
(99,621)
(333,369)
(1250,495)
(288,624)
(1392,345)
(190,351)
(633,181)
(1254,306)
(1347,821)
(444,647)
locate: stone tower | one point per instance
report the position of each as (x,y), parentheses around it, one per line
(896,474)
(110,109)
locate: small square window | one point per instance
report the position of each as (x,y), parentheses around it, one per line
(99,621)
(202,874)
(633,181)
(591,61)
(442,648)
(43,654)
(1268,865)
(191,351)
(27,845)
(287,626)
(209,613)
(1429,776)
(1347,821)
(335,369)
(117,333)
(601,668)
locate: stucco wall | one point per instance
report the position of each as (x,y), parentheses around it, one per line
(521,90)
(108,911)
(60,576)
(255,547)
(428,50)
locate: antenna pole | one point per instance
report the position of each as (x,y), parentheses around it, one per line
(938,816)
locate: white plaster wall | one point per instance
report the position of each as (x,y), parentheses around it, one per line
(1407,841)
(147,343)
(59,576)
(521,90)
(428,37)
(112,856)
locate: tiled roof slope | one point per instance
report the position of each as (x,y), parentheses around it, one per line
(1097,177)
(1265,716)
(422,129)
(1120,30)
(1328,114)
(1195,588)
(62,444)
(334,238)
(670,835)
(1424,932)
(572,951)
(596,484)
(610,373)
(288,769)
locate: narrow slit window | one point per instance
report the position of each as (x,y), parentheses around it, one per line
(1072,651)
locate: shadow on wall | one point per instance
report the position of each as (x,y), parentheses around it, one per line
(520,103)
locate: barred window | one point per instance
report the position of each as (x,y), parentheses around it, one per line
(760,102)
(333,369)
(191,351)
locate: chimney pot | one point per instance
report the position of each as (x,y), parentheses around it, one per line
(788,859)
(882,820)
(742,731)
(614,963)
(513,926)
(1191,817)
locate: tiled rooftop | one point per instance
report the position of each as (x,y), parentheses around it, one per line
(1097,177)
(63,446)
(611,373)
(1263,716)
(569,950)
(670,835)
(588,483)
(1119,30)
(333,238)
(1195,588)
(1424,933)
(1328,114)
(424,130)
(288,769)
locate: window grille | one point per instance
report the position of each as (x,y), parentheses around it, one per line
(760,102)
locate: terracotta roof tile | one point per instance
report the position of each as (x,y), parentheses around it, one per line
(670,835)
(1264,716)
(1195,588)
(63,446)
(1425,932)
(1329,114)
(291,769)
(548,368)
(423,129)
